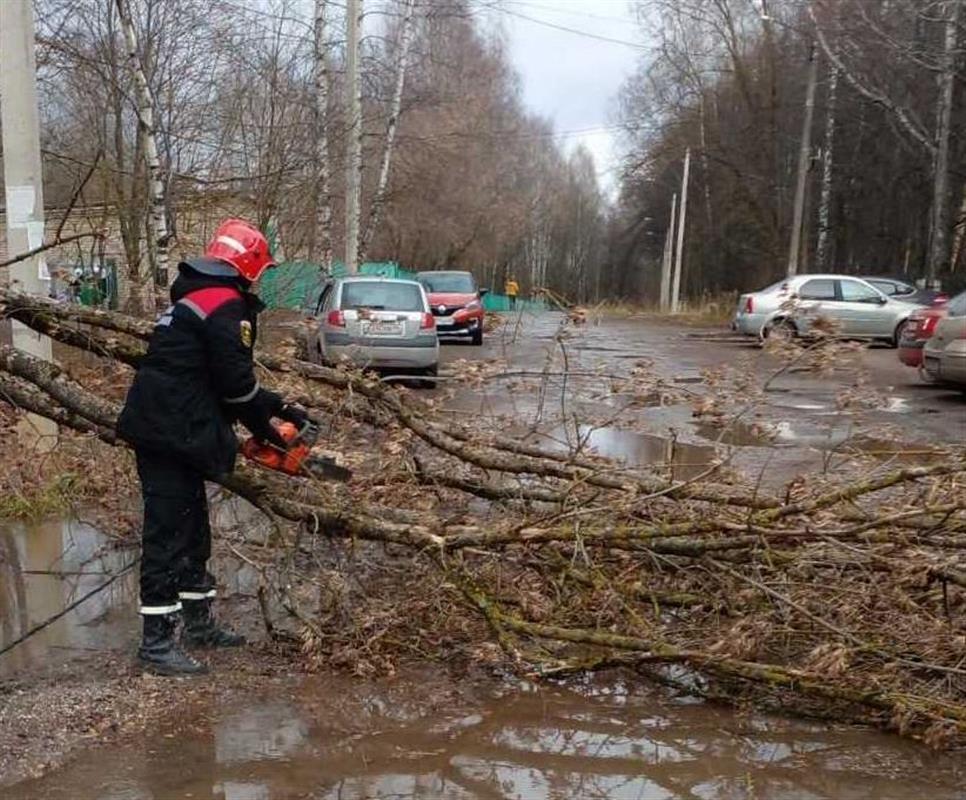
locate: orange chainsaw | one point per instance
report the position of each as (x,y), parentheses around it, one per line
(298,459)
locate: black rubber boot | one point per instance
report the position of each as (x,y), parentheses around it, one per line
(160,654)
(202,630)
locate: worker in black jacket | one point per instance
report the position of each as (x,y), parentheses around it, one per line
(195,382)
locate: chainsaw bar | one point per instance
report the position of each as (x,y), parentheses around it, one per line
(326,468)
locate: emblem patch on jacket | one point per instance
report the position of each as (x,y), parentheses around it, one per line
(246,333)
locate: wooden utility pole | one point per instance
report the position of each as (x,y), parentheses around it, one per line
(682,219)
(804,157)
(665,300)
(23,176)
(353,161)
(939,247)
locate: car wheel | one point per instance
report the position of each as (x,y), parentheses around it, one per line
(782,329)
(431,373)
(897,337)
(477,339)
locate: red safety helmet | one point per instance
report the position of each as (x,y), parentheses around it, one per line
(243,246)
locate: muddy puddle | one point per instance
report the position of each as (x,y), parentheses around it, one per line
(48,566)
(632,448)
(44,568)
(427,733)
(427,736)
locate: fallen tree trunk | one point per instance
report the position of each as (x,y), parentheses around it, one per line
(849,594)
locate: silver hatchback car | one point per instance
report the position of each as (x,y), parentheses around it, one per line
(377,323)
(791,307)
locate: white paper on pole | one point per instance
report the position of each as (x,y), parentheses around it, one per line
(20,205)
(35,234)
(43,273)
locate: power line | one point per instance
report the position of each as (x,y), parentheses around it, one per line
(565,28)
(561,10)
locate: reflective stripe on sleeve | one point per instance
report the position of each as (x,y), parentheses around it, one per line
(197,595)
(170,609)
(199,311)
(243,398)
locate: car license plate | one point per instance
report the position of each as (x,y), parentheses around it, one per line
(444,322)
(379,328)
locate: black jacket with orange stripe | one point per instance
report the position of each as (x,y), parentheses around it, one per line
(198,376)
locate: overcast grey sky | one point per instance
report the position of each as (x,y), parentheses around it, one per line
(573,79)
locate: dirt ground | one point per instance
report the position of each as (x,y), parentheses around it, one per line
(537,375)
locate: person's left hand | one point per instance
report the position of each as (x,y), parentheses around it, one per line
(294,414)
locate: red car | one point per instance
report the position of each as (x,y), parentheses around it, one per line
(919,328)
(456,304)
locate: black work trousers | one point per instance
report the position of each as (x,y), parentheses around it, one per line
(176,541)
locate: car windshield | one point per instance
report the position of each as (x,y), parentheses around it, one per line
(382,296)
(448,283)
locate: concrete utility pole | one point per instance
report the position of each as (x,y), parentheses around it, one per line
(682,218)
(353,161)
(804,157)
(23,172)
(665,301)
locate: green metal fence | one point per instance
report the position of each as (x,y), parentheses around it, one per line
(501,304)
(297,284)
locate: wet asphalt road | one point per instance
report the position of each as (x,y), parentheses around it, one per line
(800,421)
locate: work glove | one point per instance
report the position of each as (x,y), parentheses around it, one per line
(294,414)
(257,413)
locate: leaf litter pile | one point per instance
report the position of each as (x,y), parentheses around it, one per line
(840,594)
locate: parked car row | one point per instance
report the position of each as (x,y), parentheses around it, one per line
(394,325)
(928,328)
(857,309)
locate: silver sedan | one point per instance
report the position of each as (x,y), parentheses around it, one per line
(791,307)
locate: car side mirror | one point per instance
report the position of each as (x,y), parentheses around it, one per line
(483,292)
(882,300)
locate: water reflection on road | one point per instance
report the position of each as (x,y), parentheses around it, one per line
(423,736)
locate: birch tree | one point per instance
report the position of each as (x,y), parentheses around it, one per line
(382,186)
(145,115)
(828,156)
(322,237)
(939,251)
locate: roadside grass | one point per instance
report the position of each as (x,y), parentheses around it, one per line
(55,496)
(709,310)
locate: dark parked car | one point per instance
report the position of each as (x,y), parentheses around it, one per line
(903,290)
